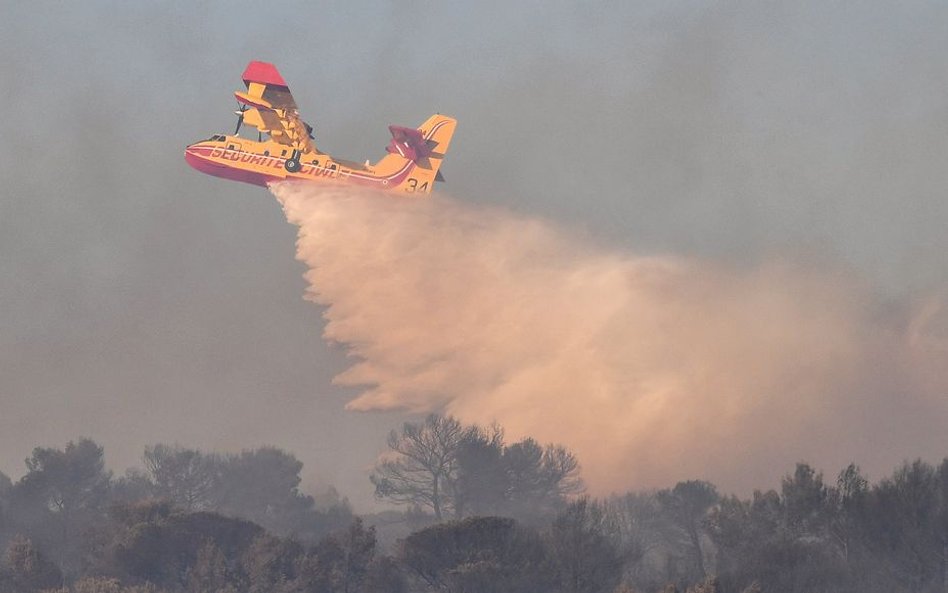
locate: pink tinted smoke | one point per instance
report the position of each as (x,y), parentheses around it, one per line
(652,369)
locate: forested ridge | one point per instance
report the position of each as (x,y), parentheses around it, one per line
(475,514)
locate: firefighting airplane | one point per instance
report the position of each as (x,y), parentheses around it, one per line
(285,150)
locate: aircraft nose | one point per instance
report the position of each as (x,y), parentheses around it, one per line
(192,157)
(196,150)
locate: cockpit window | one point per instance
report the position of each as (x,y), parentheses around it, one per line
(216,138)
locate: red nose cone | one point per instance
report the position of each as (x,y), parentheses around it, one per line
(192,158)
(201,157)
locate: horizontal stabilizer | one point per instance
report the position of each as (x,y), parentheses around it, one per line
(408,143)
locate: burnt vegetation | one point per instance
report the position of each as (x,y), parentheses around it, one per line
(477,514)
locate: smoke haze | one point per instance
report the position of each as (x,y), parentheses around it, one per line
(652,368)
(142,302)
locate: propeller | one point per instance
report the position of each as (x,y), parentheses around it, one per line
(240,117)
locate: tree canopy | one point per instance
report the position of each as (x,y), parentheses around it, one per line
(456,470)
(513,519)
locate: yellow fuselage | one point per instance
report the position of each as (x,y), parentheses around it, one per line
(262,163)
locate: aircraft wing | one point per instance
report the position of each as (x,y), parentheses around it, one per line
(271,109)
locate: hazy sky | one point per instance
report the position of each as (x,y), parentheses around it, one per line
(141,301)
